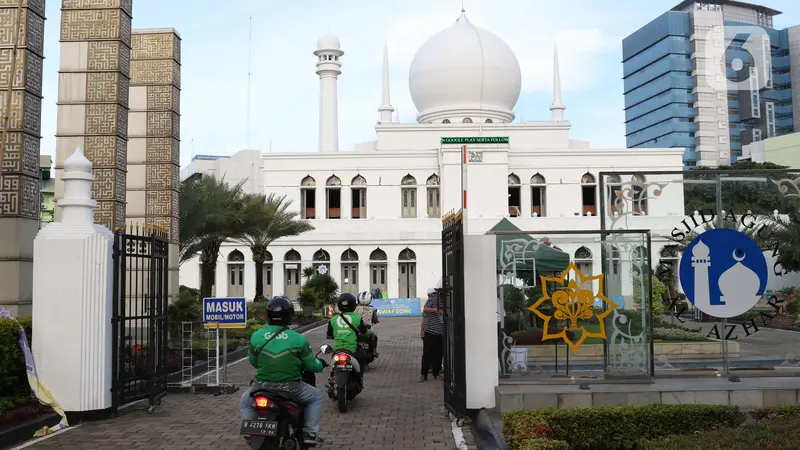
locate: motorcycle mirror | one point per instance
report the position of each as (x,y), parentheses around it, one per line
(326,349)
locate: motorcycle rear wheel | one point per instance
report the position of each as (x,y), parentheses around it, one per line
(341,398)
(266,444)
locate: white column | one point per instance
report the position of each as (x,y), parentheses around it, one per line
(72,284)
(480,310)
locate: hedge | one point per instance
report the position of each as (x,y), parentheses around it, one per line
(614,427)
(771,434)
(775,411)
(13,377)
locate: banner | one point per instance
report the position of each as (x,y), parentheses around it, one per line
(41,393)
(396,307)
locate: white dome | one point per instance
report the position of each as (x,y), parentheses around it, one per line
(462,71)
(328,42)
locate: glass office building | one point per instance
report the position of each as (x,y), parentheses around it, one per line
(673,68)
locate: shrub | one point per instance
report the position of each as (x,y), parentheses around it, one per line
(775,411)
(614,427)
(676,335)
(797,324)
(257,311)
(767,435)
(544,444)
(13,377)
(534,337)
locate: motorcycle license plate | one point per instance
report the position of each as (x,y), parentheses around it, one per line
(345,367)
(364,345)
(259,428)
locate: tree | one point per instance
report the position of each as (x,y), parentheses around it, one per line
(316,291)
(760,197)
(210,213)
(265,219)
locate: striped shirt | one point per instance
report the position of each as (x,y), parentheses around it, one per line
(433,323)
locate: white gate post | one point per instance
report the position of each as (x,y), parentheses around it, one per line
(72,299)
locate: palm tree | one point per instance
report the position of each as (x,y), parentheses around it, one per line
(267,218)
(210,214)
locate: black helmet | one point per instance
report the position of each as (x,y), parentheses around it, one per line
(280,311)
(347,302)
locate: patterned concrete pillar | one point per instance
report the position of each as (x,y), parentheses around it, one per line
(21,29)
(154,137)
(93,83)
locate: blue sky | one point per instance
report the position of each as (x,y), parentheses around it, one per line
(284,89)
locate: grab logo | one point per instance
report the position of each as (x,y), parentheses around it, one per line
(283,335)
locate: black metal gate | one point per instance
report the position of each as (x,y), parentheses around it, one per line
(139,318)
(455,385)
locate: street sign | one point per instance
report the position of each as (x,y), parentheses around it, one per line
(225,312)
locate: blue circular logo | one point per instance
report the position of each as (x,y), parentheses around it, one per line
(723,272)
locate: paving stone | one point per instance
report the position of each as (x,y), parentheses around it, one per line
(393,411)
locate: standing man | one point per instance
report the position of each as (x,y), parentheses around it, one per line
(432,338)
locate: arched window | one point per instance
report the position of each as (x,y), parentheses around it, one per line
(589,194)
(407,266)
(639,194)
(235,274)
(615,260)
(308,197)
(333,197)
(408,193)
(292,255)
(377,270)
(407,255)
(614,189)
(320,258)
(349,255)
(538,196)
(291,274)
(434,199)
(446,121)
(467,120)
(358,190)
(378,255)
(266,273)
(321,255)
(583,260)
(514,196)
(489,121)
(350,271)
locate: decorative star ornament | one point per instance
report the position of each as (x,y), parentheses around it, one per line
(573,303)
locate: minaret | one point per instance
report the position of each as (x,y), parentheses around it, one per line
(386,108)
(701,261)
(329,67)
(557,107)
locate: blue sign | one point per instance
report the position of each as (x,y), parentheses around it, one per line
(395,307)
(227,312)
(723,272)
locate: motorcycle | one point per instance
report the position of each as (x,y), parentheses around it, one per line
(279,423)
(345,381)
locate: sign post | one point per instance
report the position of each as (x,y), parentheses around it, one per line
(225,312)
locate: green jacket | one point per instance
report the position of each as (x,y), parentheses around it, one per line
(342,335)
(283,359)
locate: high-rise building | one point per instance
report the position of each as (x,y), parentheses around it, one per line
(711,77)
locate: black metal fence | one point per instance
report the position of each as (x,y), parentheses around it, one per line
(139,318)
(455,386)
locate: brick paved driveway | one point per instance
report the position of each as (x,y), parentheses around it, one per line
(393,412)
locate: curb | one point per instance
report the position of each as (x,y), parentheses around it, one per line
(489,438)
(23,432)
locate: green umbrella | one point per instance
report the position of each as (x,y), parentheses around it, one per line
(529,256)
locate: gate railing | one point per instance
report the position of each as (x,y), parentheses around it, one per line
(455,388)
(139,317)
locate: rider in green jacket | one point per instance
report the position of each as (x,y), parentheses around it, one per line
(280,362)
(346,327)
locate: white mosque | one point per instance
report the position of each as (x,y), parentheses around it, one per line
(377,208)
